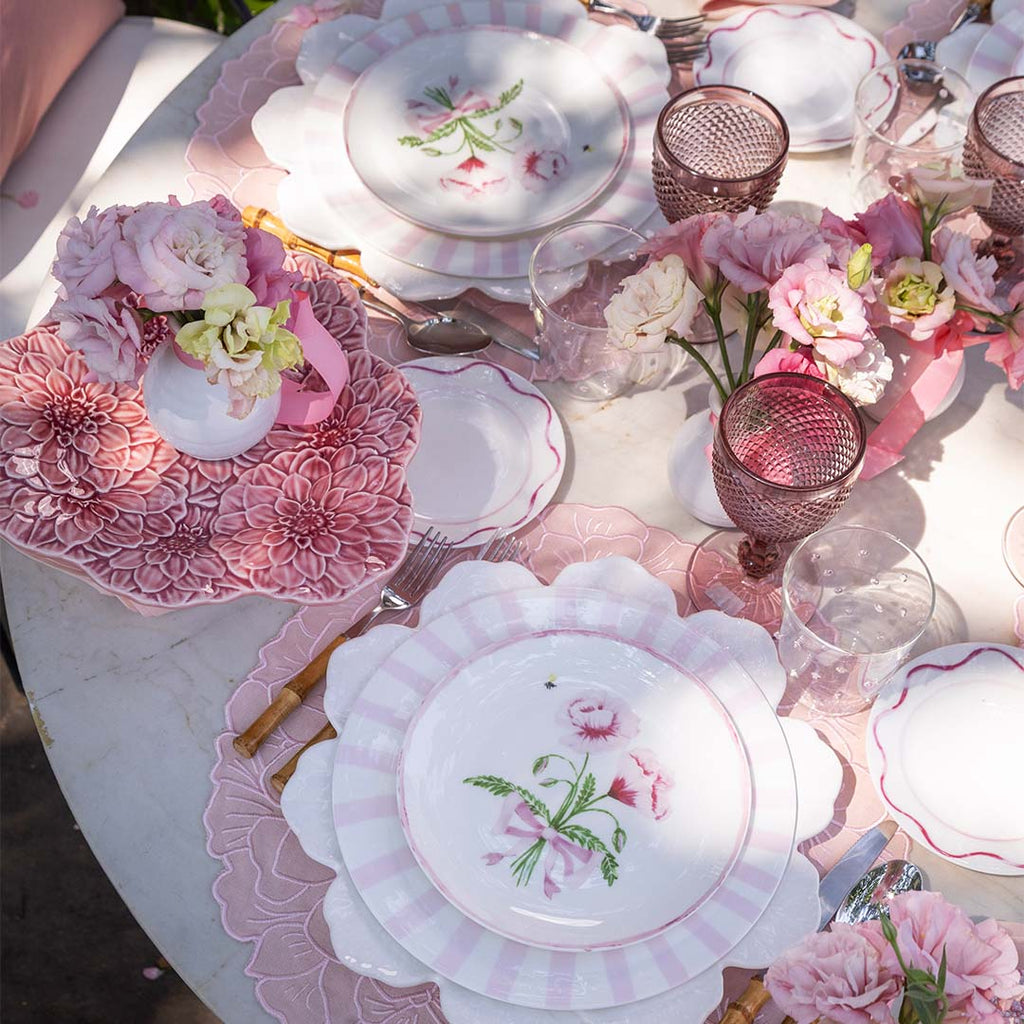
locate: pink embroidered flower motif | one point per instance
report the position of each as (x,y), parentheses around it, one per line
(641,782)
(305,522)
(473,179)
(598,722)
(538,168)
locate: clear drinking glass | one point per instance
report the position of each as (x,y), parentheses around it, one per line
(574,271)
(908,112)
(995,149)
(854,602)
(718,148)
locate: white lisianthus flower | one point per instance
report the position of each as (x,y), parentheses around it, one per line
(863,377)
(649,305)
(942,188)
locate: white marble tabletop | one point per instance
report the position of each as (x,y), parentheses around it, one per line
(129,707)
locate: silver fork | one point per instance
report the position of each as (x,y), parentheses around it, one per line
(500,548)
(686,52)
(663,28)
(402,591)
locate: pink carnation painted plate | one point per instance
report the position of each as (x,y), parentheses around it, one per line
(944,750)
(309,514)
(554,784)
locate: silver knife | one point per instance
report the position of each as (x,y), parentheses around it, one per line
(837,884)
(501,333)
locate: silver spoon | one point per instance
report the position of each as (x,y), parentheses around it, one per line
(439,336)
(871,895)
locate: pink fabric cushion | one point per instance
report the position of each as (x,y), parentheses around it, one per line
(41,44)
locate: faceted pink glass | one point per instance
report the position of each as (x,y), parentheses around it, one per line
(718,148)
(786,453)
(995,149)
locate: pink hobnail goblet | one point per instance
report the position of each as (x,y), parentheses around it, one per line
(787,451)
(718,148)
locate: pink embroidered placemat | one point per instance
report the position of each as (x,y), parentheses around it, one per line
(270,893)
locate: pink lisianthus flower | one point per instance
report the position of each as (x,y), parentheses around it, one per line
(892,227)
(172,255)
(981,960)
(814,305)
(838,975)
(268,280)
(843,236)
(85,252)
(784,360)
(598,722)
(641,782)
(939,189)
(1007,349)
(683,239)
(753,249)
(538,168)
(915,298)
(107,331)
(971,277)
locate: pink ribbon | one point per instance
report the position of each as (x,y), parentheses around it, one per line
(518,821)
(301,408)
(465,105)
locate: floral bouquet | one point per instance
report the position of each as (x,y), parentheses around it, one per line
(926,963)
(133,277)
(822,299)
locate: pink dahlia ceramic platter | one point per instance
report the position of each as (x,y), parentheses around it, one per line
(485,145)
(324,197)
(492,449)
(944,749)
(411,928)
(308,514)
(573,732)
(765,50)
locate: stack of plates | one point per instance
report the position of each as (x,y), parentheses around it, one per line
(444,141)
(984,53)
(563,798)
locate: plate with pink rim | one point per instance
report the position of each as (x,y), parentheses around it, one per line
(766,50)
(418,921)
(346,209)
(997,51)
(552,782)
(492,449)
(309,514)
(944,742)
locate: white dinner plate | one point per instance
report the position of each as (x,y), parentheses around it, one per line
(944,750)
(491,452)
(551,783)
(485,131)
(997,51)
(955,50)
(805,61)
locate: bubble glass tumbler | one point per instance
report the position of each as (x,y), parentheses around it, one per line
(786,453)
(855,600)
(908,112)
(718,148)
(574,271)
(995,149)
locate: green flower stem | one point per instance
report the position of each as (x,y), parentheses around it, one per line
(755,314)
(571,764)
(597,810)
(702,362)
(713,305)
(776,338)
(556,822)
(523,865)
(991,317)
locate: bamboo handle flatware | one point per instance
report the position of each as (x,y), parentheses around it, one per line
(747,1007)
(345,260)
(280,778)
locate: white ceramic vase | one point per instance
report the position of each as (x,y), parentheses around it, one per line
(191,414)
(689,468)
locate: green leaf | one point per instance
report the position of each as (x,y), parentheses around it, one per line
(410,140)
(582,836)
(430,151)
(619,839)
(585,794)
(540,764)
(516,123)
(440,96)
(502,787)
(548,783)
(503,101)
(609,869)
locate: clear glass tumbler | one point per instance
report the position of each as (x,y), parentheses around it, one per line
(995,149)
(908,112)
(574,271)
(854,602)
(718,148)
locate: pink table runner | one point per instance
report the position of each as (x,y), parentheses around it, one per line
(270,893)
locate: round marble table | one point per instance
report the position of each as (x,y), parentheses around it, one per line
(129,707)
